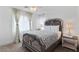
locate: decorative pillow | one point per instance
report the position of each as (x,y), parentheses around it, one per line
(47,28)
(55,28)
(52,28)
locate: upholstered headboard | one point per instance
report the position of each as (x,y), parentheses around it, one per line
(55,21)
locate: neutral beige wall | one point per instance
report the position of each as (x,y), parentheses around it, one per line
(65,13)
(5,26)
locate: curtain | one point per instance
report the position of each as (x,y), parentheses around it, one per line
(22,24)
(17,15)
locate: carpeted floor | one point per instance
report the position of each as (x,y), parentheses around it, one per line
(13,48)
(18,48)
(62,49)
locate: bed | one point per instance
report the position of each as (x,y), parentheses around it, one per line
(44,40)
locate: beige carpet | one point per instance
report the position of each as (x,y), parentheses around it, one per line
(13,48)
(18,48)
(62,49)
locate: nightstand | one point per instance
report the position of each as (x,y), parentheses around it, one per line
(70,42)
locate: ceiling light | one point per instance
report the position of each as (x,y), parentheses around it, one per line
(33,8)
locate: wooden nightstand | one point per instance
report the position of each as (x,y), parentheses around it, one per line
(70,42)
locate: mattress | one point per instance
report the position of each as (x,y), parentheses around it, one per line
(50,40)
(48,37)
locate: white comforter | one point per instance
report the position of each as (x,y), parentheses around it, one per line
(48,37)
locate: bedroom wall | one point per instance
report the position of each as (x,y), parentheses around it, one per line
(77,22)
(64,12)
(5,26)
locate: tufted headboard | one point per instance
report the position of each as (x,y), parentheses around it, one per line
(55,21)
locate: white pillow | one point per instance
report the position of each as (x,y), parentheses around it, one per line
(52,28)
(47,28)
(55,28)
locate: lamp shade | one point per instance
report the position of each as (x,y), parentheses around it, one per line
(69,27)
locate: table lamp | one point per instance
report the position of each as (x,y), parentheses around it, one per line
(69,27)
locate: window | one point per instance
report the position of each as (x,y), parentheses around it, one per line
(24,23)
(21,24)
